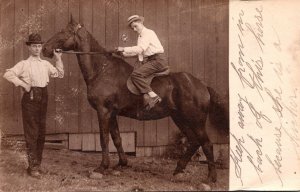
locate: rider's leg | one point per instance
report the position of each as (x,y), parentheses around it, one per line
(139,76)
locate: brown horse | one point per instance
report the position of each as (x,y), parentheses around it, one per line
(185,98)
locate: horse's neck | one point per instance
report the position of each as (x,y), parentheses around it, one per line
(92,65)
(88,62)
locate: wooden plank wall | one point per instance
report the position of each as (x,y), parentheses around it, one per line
(194,34)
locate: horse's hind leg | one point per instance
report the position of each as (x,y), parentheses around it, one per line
(194,144)
(197,137)
(207,148)
(115,135)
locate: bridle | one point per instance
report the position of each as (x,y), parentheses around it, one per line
(77,28)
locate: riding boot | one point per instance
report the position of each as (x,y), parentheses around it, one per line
(150,102)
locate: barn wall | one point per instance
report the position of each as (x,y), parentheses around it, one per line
(194,34)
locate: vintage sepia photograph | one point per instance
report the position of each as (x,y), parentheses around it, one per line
(114,95)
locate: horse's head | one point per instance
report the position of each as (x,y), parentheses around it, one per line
(67,39)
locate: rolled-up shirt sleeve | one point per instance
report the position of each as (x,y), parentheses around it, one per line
(132,51)
(12,74)
(147,44)
(142,44)
(57,71)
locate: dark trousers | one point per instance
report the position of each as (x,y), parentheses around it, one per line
(34,109)
(152,64)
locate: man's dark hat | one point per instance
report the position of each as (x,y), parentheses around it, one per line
(34,38)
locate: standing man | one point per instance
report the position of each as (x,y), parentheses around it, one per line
(33,75)
(150,53)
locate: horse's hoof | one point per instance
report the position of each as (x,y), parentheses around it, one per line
(123,163)
(206,187)
(116,172)
(101,170)
(95,175)
(211,179)
(177,171)
(120,167)
(179,177)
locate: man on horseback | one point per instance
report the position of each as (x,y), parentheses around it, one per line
(150,54)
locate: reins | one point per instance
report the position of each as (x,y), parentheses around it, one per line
(89,53)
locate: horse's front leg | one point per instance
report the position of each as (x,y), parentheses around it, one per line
(104,116)
(116,137)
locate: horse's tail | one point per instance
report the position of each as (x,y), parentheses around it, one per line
(218,111)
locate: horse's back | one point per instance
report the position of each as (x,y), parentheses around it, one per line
(182,89)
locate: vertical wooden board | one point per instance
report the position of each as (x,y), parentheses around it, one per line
(47,30)
(139,7)
(185,33)
(173,131)
(20,53)
(173,33)
(3,128)
(162,132)
(198,37)
(140,152)
(85,109)
(75,77)
(95,122)
(88,142)
(138,127)
(128,141)
(222,31)
(75,141)
(148,151)
(7,61)
(111,24)
(124,123)
(150,133)
(1,93)
(97,142)
(36,13)
(99,21)
(150,14)
(162,150)
(210,51)
(161,27)
(98,31)
(180,35)
(61,85)
(156,151)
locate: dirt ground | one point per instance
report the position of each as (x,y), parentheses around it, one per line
(70,171)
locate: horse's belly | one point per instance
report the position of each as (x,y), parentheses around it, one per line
(153,114)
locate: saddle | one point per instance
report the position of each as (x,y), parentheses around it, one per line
(132,88)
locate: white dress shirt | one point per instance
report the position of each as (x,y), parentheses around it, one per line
(34,71)
(147,44)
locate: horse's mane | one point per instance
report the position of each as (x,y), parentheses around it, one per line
(95,46)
